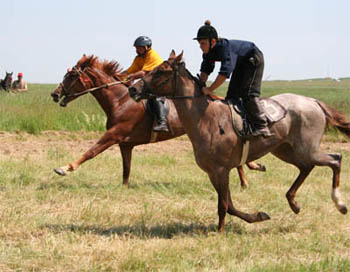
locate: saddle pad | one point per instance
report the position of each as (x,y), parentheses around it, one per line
(274,111)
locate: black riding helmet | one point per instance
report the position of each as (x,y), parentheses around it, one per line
(143,41)
(206,32)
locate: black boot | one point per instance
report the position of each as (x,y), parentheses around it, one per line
(257,117)
(160,114)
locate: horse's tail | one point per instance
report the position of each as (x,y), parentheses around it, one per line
(335,118)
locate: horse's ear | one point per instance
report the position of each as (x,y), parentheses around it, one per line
(172,55)
(179,57)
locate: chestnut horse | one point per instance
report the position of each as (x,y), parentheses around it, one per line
(128,123)
(296,138)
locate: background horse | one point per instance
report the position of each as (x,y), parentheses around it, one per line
(5,83)
(128,123)
(296,138)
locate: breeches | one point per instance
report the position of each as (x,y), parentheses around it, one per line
(246,79)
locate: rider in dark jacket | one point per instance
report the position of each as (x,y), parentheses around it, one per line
(244,62)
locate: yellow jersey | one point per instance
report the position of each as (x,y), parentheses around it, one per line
(145,63)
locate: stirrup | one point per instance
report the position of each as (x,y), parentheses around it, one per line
(161,128)
(262,132)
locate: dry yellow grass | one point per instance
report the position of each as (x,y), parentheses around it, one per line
(166,220)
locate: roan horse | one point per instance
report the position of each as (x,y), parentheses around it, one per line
(6,82)
(296,138)
(128,123)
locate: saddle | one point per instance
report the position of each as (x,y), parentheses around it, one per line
(273,110)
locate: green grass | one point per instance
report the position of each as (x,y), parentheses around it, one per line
(167,219)
(34,111)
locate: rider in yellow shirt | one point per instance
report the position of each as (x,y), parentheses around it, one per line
(146,60)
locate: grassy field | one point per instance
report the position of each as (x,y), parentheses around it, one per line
(167,219)
(35,111)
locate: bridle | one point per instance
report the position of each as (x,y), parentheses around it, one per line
(146,90)
(82,81)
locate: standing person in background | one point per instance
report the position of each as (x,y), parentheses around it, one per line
(146,60)
(19,85)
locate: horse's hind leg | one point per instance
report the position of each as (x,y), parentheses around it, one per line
(126,151)
(304,172)
(251,166)
(242,178)
(319,159)
(256,166)
(334,162)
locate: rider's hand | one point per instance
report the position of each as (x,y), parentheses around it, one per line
(130,78)
(206,91)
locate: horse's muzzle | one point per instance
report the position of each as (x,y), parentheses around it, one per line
(56,97)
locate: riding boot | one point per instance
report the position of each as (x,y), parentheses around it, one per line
(257,117)
(160,114)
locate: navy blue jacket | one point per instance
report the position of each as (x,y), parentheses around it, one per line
(228,52)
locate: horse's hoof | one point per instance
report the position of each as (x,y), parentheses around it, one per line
(343,209)
(60,171)
(244,186)
(262,167)
(263,216)
(295,208)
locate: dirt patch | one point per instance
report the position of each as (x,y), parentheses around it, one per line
(23,145)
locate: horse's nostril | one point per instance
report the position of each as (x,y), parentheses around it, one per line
(55,97)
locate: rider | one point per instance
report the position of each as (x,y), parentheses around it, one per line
(244,62)
(146,60)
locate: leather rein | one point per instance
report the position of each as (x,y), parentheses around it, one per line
(87,90)
(147,90)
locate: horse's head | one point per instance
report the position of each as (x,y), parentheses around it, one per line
(89,72)
(160,82)
(75,81)
(7,81)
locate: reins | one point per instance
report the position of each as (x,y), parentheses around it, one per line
(175,78)
(96,88)
(107,85)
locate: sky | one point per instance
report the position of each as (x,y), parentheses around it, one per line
(300,39)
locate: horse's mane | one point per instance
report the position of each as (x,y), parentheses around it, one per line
(197,81)
(110,68)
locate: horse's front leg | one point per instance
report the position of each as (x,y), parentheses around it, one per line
(219,177)
(105,142)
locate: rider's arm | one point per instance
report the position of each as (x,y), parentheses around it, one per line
(220,79)
(204,77)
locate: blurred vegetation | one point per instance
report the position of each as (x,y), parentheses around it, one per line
(34,111)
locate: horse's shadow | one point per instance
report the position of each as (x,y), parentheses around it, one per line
(166,231)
